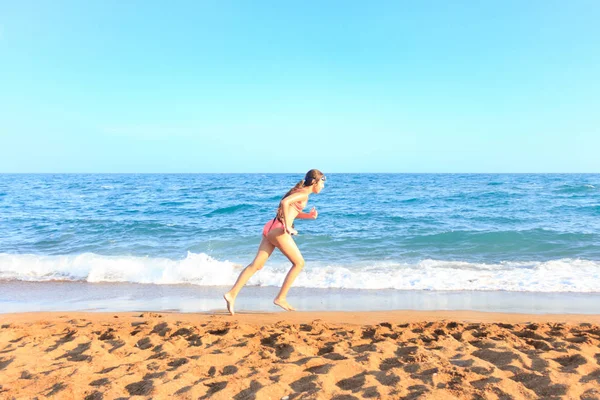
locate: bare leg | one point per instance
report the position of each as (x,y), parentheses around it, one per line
(264,251)
(288,247)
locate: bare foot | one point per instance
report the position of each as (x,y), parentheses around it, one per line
(283,304)
(230,301)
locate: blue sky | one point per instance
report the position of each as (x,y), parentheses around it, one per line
(431,86)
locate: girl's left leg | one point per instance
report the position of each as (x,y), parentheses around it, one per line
(264,252)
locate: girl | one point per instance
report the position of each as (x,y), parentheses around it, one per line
(278,233)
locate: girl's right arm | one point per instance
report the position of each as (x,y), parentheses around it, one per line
(285,203)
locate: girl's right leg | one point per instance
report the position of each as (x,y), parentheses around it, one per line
(288,247)
(264,252)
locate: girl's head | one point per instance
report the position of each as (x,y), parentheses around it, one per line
(316,179)
(313,178)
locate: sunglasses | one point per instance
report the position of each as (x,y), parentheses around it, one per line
(311,180)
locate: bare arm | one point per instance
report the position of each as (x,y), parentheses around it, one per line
(309,215)
(285,204)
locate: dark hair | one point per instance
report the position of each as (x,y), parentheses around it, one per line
(310,178)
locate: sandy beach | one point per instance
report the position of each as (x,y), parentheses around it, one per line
(300,355)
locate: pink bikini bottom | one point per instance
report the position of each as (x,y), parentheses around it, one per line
(272,224)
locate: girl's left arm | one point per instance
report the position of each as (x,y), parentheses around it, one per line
(310,215)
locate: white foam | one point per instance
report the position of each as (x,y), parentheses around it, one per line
(199,269)
(565,275)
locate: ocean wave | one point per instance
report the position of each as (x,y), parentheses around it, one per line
(563,275)
(230,209)
(568,189)
(514,238)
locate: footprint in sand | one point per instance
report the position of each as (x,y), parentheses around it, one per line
(183,390)
(371,393)
(68,337)
(142,388)
(106,335)
(194,340)
(304,384)
(426,376)
(344,397)
(528,334)
(100,382)
(390,363)
(56,388)
(482,383)
(159,355)
(144,343)
(462,363)
(541,385)
(5,362)
(116,344)
(107,370)
(591,394)
(369,333)
(319,369)
(219,332)
(364,347)
(153,375)
(26,375)
(417,391)
(94,396)
(354,383)
(250,392)
(284,351)
(335,357)
(328,348)
(482,370)
(498,358)
(182,332)
(570,363)
(387,378)
(161,329)
(483,344)
(177,363)
(77,353)
(214,388)
(594,376)
(229,370)
(539,345)
(579,339)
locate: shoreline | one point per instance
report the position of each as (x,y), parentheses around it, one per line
(125,297)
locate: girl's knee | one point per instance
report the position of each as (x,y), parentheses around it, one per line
(256,266)
(299,264)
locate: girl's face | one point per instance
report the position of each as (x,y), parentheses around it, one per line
(317,187)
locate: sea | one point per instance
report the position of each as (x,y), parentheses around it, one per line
(125,242)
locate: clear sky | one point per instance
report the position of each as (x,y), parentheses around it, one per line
(285,86)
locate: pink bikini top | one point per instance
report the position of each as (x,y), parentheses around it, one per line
(298,206)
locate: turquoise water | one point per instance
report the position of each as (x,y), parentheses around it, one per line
(522,232)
